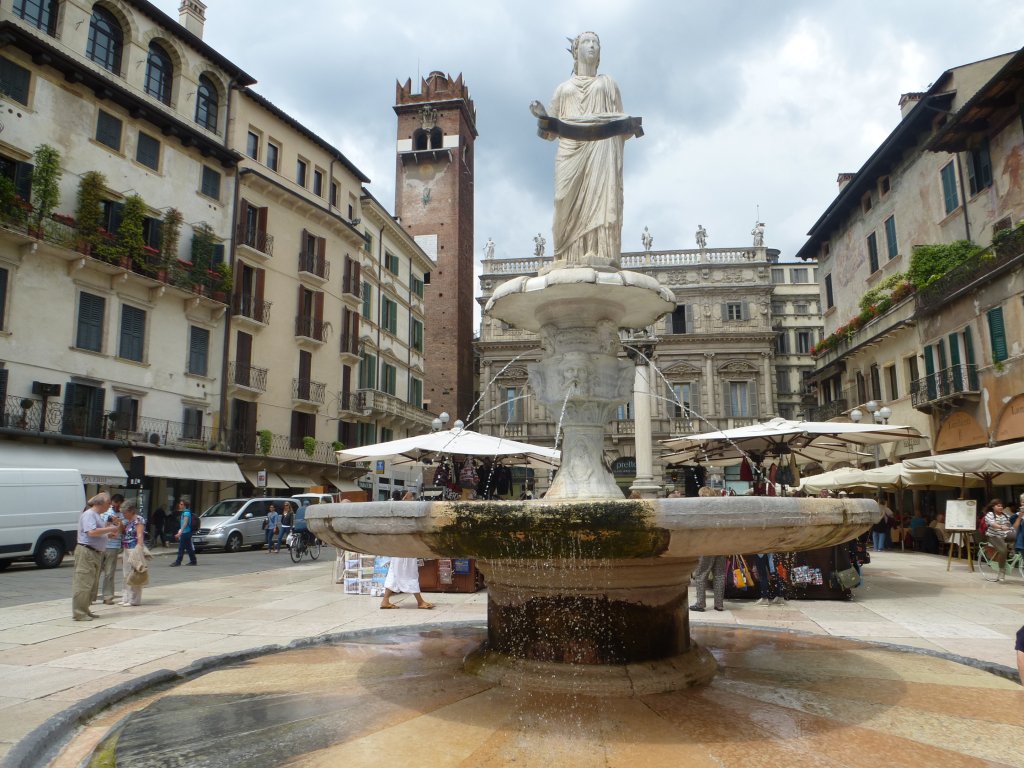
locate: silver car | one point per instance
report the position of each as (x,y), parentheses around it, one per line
(235,523)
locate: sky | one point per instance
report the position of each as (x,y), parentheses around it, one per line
(750,109)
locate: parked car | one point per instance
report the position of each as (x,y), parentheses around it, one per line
(236,523)
(39,511)
(305,499)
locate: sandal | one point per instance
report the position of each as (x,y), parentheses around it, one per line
(388,605)
(425,606)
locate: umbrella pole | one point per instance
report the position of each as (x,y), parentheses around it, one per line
(899,506)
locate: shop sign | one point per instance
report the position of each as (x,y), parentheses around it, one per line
(624,466)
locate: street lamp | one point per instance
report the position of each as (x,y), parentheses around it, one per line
(440,422)
(878,415)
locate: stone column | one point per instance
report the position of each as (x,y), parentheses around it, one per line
(712,383)
(767,366)
(642,432)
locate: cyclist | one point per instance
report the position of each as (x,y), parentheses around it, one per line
(1000,530)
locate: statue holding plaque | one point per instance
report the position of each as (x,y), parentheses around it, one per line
(586,118)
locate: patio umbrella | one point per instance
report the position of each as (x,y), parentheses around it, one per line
(459,441)
(998,465)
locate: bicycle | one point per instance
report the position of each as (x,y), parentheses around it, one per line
(986,557)
(302,543)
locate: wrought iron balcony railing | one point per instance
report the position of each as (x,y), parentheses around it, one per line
(246,305)
(828,410)
(309,328)
(352,286)
(349,344)
(314,265)
(255,239)
(308,391)
(949,384)
(248,376)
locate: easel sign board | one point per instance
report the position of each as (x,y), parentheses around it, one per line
(961,515)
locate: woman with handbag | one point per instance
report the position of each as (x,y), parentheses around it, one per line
(1000,530)
(271,524)
(133,544)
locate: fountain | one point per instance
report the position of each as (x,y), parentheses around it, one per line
(587,590)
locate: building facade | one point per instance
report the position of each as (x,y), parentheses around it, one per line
(937,345)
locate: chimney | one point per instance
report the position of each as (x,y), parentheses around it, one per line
(844,178)
(192,16)
(908,101)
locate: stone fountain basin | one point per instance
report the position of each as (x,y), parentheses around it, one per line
(627,529)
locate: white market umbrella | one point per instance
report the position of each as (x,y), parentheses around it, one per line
(462,442)
(998,465)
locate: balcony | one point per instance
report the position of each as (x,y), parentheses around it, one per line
(350,403)
(350,344)
(246,306)
(351,286)
(282,447)
(308,391)
(377,404)
(945,389)
(308,328)
(828,410)
(255,241)
(317,266)
(247,376)
(964,277)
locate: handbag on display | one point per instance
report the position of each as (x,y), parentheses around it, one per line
(844,578)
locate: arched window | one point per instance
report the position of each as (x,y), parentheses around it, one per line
(41,13)
(436,138)
(106,40)
(206,104)
(159,73)
(419,139)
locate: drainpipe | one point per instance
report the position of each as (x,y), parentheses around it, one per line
(224,411)
(963,196)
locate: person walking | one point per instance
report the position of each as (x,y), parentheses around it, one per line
(287,520)
(768,580)
(91,540)
(159,522)
(1001,531)
(880,530)
(108,567)
(187,527)
(715,565)
(272,526)
(133,537)
(403,576)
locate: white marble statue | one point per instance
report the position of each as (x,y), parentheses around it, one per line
(586,117)
(702,237)
(538,245)
(489,249)
(647,239)
(758,233)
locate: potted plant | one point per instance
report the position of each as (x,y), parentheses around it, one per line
(223,282)
(8,197)
(337,445)
(203,242)
(89,210)
(46,175)
(131,241)
(309,445)
(265,438)
(170,236)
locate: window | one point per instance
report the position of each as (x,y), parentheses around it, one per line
(949,191)
(739,400)
(979,168)
(366,433)
(417,335)
(416,392)
(511,410)
(778,308)
(894,389)
(14,81)
(865,202)
(682,319)
(388,378)
(40,13)
(625,412)
(147,151)
(301,169)
(782,381)
(891,246)
(211,183)
(876,382)
(91,309)
(303,426)
(391,263)
(108,130)
(3,299)
(798,275)
(368,371)
(133,333)
(912,369)
(416,285)
(830,300)
(778,276)
(335,190)
(804,340)
(106,40)
(192,423)
(367,302)
(159,74)
(207,104)
(997,334)
(273,155)
(872,253)
(782,343)
(198,350)
(126,413)
(389,315)
(884,186)
(318,183)
(733,310)
(252,145)
(800,308)
(683,394)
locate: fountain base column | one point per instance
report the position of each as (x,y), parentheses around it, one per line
(605,626)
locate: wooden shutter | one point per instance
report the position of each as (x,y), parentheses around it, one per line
(321,248)
(243,213)
(261,220)
(318,308)
(133,333)
(688,314)
(929,372)
(356,276)
(997,334)
(346,385)
(744,310)
(752,397)
(3,301)
(250,425)
(3,388)
(95,428)
(23,180)
(261,281)
(305,365)
(198,351)
(725,312)
(243,349)
(346,277)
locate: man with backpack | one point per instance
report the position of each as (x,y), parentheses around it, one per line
(187,528)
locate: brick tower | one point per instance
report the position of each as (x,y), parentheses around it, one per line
(434,201)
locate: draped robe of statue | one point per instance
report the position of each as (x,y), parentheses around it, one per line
(588,174)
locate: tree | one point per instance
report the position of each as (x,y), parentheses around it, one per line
(89,211)
(46,177)
(130,238)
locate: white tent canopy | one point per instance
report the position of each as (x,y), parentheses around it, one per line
(462,442)
(999,465)
(891,477)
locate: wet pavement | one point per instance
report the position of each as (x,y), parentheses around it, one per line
(51,663)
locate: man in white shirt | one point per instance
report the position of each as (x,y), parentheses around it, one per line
(92,540)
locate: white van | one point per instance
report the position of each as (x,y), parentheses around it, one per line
(306,499)
(39,510)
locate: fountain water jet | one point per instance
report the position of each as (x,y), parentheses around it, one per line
(587,592)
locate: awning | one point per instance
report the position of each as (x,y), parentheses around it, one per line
(273,481)
(343,486)
(95,465)
(192,468)
(298,481)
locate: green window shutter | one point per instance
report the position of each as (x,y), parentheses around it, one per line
(198,350)
(929,371)
(997,334)
(133,332)
(954,362)
(90,322)
(949,191)
(968,346)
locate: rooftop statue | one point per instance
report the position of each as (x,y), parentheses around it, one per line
(586,118)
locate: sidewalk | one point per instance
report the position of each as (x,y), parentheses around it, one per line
(51,662)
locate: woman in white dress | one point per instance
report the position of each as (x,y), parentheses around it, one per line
(403,574)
